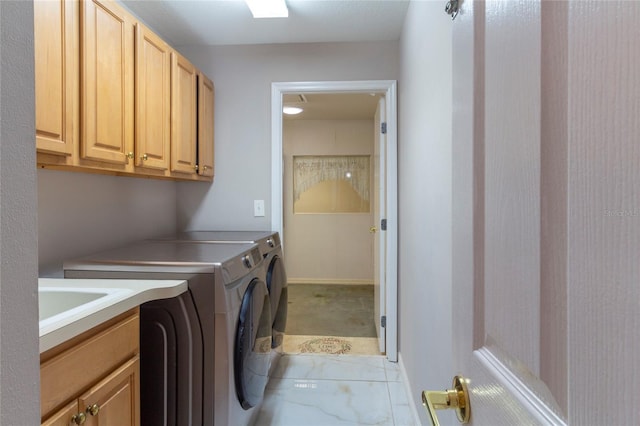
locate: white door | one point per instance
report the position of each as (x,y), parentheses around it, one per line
(379,236)
(547,211)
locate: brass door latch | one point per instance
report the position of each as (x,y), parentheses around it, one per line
(456,398)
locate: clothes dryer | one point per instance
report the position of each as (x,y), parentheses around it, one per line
(275,275)
(205,358)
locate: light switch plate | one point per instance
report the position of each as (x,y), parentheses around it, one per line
(258,208)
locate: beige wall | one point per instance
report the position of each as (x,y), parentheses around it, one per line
(335,247)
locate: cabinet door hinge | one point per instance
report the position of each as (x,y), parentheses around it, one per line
(383,321)
(383,225)
(383,128)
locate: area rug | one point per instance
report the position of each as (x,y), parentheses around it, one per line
(330,310)
(331,345)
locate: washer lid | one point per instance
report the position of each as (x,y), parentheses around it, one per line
(170,256)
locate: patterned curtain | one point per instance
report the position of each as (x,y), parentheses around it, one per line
(309,171)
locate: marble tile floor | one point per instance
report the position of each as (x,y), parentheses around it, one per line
(326,390)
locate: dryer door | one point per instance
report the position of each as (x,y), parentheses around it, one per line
(277,285)
(253,345)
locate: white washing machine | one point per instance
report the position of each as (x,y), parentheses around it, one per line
(275,275)
(205,358)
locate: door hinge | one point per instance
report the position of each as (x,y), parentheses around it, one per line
(383,225)
(383,128)
(383,321)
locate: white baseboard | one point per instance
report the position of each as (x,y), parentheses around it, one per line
(407,390)
(337,281)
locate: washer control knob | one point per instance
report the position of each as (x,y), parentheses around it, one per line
(247,261)
(271,243)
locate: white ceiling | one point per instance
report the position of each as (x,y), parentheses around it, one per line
(229,22)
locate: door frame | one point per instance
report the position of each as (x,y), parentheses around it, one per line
(389,89)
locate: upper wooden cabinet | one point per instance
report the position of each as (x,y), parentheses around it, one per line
(107,82)
(153,100)
(205,125)
(112,97)
(56,44)
(183,115)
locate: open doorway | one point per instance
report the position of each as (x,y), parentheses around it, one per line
(327,206)
(328,187)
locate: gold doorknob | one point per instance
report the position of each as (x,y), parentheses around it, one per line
(79,418)
(456,398)
(130,155)
(93,409)
(373,229)
(144,157)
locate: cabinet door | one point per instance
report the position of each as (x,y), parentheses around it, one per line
(153,100)
(56,75)
(205,125)
(183,115)
(107,82)
(63,417)
(114,401)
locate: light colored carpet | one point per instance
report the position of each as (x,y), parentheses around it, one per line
(331,345)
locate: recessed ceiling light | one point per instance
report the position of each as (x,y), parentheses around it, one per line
(292,110)
(268,8)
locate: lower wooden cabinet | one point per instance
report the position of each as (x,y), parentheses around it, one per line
(112,402)
(64,417)
(95,378)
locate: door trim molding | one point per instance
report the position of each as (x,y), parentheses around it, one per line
(529,399)
(389,89)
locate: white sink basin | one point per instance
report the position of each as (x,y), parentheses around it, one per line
(61,303)
(56,301)
(69,307)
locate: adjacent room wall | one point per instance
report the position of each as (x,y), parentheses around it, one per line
(243,77)
(333,247)
(425,240)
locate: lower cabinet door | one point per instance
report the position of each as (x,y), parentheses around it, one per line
(113,401)
(64,417)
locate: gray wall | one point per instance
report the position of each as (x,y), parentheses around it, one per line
(243,77)
(80,213)
(19,360)
(424,169)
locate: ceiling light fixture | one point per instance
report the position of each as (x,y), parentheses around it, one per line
(291,110)
(268,8)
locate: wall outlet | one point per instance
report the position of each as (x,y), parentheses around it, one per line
(258,208)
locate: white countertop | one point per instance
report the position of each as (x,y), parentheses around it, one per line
(122,295)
